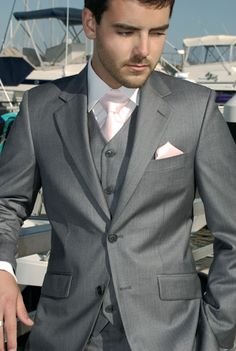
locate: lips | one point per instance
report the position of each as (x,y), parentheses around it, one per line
(137,67)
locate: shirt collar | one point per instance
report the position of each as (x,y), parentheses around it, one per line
(97,88)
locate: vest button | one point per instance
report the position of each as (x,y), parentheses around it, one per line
(110,153)
(100,290)
(112,238)
(109,190)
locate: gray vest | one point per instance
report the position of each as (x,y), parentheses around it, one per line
(111,160)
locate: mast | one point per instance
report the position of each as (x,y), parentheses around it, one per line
(8,25)
(67,34)
(52,27)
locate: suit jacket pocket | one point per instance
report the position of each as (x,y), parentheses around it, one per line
(56,285)
(179,286)
(167,164)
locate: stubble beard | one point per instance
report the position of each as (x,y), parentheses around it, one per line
(129,80)
(135,79)
(119,74)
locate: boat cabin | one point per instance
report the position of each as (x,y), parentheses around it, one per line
(211,61)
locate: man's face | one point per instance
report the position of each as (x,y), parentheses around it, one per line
(128,42)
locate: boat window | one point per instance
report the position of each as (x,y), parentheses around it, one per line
(198,55)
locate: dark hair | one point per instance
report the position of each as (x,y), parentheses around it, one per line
(97,7)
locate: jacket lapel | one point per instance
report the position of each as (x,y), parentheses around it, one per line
(153,116)
(72,125)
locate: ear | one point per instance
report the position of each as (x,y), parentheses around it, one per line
(89,23)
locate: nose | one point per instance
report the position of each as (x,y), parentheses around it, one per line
(142,46)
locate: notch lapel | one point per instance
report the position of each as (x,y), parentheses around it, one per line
(153,116)
(72,126)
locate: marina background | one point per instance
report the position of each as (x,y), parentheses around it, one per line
(190,18)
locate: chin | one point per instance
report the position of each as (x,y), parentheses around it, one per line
(137,81)
(134,83)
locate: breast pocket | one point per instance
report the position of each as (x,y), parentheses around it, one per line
(167,164)
(167,176)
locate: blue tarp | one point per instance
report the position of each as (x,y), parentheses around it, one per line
(75,15)
(14,70)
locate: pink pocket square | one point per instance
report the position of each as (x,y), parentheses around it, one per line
(167,150)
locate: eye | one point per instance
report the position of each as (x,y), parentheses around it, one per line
(157,33)
(125,33)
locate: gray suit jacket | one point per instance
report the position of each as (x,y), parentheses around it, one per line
(146,243)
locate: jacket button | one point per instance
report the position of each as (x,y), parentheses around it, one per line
(110,153)
(112,238)
(100,290)
(109,190)
(109,309)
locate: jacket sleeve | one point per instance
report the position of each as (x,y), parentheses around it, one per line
(19,183)
(215,171)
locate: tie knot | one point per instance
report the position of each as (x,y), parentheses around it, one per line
(114,101)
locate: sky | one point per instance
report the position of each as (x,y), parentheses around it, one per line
(190,17)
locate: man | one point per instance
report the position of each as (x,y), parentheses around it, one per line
(121,274)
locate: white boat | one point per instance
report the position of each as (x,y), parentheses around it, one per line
(28,58)
(211,61)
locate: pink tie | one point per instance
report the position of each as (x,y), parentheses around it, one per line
(113,102)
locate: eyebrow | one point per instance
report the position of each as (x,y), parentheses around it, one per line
(130,27)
